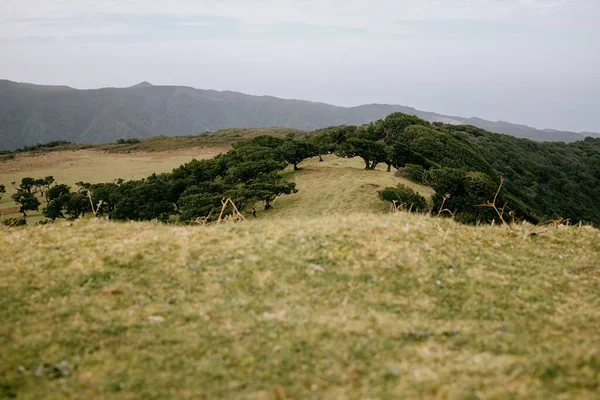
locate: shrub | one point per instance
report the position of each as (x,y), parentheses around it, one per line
(413,172)
(13,222)
(405,198)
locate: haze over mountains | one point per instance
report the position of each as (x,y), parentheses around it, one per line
(31,114)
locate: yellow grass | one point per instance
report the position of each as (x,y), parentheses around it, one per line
(92,166)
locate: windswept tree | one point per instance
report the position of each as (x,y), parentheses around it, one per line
(57,197)
(25,196)
(269,187)
(323,144)
(389,129)
(146,199)
(295,151)
(372,152)
(26,201)
(43,185)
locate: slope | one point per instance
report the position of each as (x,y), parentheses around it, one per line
(332,307)
(337,186)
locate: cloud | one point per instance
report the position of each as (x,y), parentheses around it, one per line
(62,18)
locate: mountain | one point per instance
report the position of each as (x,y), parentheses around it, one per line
(31,114)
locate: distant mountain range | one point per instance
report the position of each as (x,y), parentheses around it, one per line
(31,114)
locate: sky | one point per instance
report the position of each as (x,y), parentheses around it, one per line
(535,62)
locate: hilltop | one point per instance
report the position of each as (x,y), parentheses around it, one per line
(541,181)
(31,114)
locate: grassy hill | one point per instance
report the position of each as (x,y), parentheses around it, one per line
(31,114)
(357,306)
(337,185)
(327,295)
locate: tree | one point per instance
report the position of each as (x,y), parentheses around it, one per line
(76,205)
(104,196)
(147,199)
(395,124)
(271,142)
(57,197)
(323,144)
(269,187)
(25,196)
(295,151)
(27,184)
(43,186)
(202,200)
(26,200)
(370,151)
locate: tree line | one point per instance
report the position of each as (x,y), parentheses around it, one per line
(467,168)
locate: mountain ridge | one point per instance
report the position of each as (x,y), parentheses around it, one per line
(31,114)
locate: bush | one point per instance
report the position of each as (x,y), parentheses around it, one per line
(405,198)
(13,222)
(128,141)
(413,172)
(7,156)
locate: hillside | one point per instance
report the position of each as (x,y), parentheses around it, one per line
(355,189)
(31,114)
(357,306)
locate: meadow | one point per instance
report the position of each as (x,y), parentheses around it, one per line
(325,296)
(338,307)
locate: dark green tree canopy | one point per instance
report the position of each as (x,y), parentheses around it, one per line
(295,151)
(27,201)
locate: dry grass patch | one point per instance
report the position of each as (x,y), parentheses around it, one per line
(91,166)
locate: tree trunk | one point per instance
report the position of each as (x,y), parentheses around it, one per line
(267,205)
(374,165)
(389,168)
(320,158)
(24,213)
(367,164)
(296,167)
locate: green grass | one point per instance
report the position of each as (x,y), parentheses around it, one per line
(357,306)
(324,296)
(336,186)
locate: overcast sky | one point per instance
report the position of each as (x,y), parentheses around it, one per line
(526,61)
